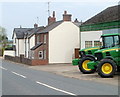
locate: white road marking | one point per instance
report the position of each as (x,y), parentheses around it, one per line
(3,68)
(18,74)
(69,93)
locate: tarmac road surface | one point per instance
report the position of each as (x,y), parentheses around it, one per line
(20,80)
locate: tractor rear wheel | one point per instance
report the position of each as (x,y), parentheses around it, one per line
(106,68)
(83,65)
(118,68)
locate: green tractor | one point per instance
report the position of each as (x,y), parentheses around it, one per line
(87,55)
(107,60)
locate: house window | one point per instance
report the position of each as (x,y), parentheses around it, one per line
(40,54)
(97,43)
(44,54)
(45,37)
(88,44)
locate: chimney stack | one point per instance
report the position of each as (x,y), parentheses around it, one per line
(35,25)
(20,26)
(51,19)
(66,17)
(76,20)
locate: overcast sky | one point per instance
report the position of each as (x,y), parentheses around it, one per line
(13,14)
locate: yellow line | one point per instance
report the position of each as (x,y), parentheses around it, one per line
(111,50)
(91,49)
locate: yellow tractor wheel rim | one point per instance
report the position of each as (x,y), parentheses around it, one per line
(84,65)
(107,68)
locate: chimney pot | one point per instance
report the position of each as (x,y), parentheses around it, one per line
(65,12)
(35,25)
(53,13)
(20,26)
(76,20)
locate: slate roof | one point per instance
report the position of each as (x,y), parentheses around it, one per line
(107,15)
(36,30)
(50,27)
(24,32)
(77,23)
(20,32)
(28,32)
(36,46)
(55,24)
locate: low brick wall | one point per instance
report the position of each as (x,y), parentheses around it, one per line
(39,62)
(21,59)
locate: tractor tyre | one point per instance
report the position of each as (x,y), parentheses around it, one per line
(83,65)
(107,68)
(118,68)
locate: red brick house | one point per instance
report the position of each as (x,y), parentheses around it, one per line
(52,44)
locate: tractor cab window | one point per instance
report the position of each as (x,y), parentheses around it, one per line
(116,39)
(110,41)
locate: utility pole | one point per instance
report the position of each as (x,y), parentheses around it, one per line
(48,8)
(37,20)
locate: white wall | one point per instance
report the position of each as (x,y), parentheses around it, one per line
(9,52)
(16,47)
(30,44)
(26,47)
(62,41)
(21,46)
(32,41)
(14,36)
(15,43)
(89,36)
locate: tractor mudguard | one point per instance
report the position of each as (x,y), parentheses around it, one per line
(75,62)
(91,56)
(92,64)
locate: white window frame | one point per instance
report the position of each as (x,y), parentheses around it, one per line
(44,53)
(42,56)
(88,45)
(45,38)
(98,43)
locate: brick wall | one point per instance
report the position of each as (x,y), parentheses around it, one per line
(42,47)
(21,59)
(39,62)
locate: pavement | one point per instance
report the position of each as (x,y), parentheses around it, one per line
(68,70)
(19,79)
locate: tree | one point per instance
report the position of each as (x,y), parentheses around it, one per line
(3,38)
(3,35)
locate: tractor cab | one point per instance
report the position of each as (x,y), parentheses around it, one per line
(110,40)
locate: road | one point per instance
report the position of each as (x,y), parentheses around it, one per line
(18,79)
